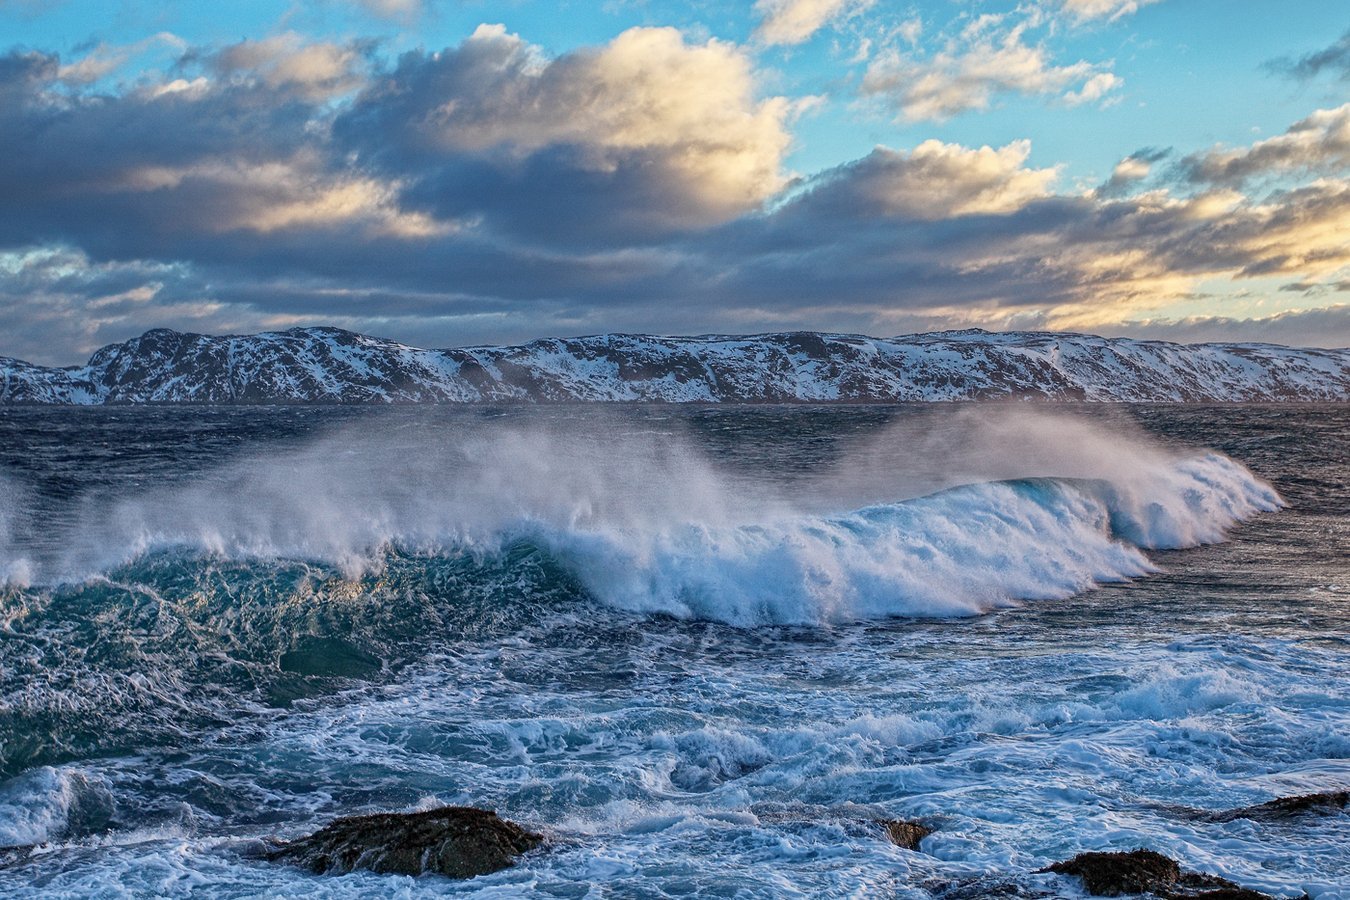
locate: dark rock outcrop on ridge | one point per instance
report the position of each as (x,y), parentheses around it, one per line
(329,365)
(455,841)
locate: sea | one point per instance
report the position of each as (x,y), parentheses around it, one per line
(705,650)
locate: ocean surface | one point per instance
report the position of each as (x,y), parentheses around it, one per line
(702,649)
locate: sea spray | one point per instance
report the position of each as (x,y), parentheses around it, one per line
(976,511)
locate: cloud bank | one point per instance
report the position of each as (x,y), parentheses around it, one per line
(490,191)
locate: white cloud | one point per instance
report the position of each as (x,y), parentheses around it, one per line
(938,181)
(295,194)
(1088,10)
(983,62)
(690,109)
(1132,169)
(1094,89)
(288,61)
(795,21)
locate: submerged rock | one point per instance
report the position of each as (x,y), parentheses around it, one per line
(855,819)
(906,834)
(1324,803)
(983,888)
(456,841)
(1144,871)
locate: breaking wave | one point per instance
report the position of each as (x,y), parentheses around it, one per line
(990,510)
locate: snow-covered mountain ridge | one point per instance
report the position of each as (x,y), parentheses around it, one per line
(329,365)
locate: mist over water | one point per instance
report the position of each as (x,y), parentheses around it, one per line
(702,649)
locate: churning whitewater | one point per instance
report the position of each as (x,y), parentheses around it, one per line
(702,651)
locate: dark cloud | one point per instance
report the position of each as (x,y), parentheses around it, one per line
(1334,59)
(1316,145)
(1328,327)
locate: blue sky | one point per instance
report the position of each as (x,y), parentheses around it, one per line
(448,172)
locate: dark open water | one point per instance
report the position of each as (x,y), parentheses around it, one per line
(701,648)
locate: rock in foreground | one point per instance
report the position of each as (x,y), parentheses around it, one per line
(1146,872)
(455,841)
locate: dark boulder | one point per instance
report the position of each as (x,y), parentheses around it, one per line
(906,834)
(1146,872)
(456,841)
(1113,874)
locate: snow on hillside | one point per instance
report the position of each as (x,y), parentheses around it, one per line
(329,365)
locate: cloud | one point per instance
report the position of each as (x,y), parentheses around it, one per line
(647,133)
(835,252)
(490,192)
(404,10)
(157,168)
(1318,144)
(1131,170)
(1088,10)
(795,21)
(287,62)
(934,181)
(1335,58)
(1323,327)
(985,61)
(56,305)
(104,59)
(1094,89)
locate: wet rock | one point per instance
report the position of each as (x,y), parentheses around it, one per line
(1113,874)
(1325,803)
(456,841)
(1144,871)
(906,834)
(858,820)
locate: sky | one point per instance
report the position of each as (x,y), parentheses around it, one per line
(458,172)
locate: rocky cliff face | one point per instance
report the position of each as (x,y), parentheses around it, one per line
(328,365)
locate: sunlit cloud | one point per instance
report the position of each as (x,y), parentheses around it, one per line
(288,61)
(988,59)
(1318,144)
(1088,10)
(671,132)
(796,21)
